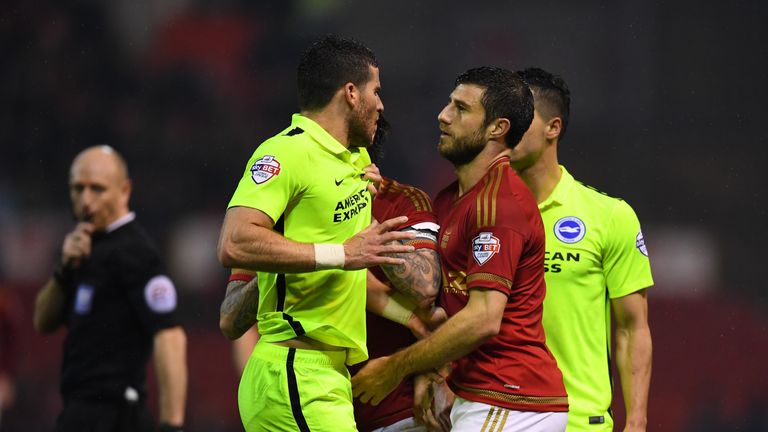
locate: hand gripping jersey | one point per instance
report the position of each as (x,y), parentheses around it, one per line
(595,253)
(311,186)
(492,237)
(384,336)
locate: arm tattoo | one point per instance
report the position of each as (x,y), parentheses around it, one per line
(419,277)
(241,304)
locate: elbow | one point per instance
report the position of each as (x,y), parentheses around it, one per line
(43,325)
(228,329)
(487,330)
(227,254)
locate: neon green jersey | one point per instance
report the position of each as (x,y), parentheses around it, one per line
(594,252)
(311,185)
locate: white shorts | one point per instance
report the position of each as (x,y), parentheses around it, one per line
(405,425)
(471,416)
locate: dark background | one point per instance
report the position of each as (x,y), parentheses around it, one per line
(668,112)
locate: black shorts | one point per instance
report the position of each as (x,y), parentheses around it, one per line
(87,416)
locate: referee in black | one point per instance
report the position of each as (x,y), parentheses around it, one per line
(111,292)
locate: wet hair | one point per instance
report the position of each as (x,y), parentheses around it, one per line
(551,95)
(327,65)
(506,95)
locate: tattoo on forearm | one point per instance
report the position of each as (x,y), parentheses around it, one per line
(241,304)
(419,275)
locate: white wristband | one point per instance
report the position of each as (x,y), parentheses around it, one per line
(329,256)
(395,311)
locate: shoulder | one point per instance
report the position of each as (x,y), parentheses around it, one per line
(600,203)
(404,195)
(133,243)
(504,198)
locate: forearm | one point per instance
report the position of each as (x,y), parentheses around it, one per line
(239,309)
(255,247)
(457,337)
(419,278)
(633,360)
(170,353)
(49,307)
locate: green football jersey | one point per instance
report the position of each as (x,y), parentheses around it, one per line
(311,186)
(594,252)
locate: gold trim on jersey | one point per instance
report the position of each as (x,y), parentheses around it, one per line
(418,197)
(518,399)
(486,198)
(489,277)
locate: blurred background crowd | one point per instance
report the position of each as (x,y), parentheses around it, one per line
(668,113)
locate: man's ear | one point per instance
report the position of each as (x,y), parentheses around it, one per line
(498,128)
(554,127)
(351,94)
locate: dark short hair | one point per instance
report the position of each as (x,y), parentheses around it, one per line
(506,96)
(551,95)
(327,65)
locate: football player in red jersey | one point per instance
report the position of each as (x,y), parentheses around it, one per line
(492,255)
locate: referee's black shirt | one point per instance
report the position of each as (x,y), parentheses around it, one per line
(113,312)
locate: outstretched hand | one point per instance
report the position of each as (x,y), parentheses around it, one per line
(369,247)
(373,175)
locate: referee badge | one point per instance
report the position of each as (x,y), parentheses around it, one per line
(570,229)
(484,247)
(160,294)
(83,299)
(264,169)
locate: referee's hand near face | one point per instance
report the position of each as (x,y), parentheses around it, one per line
(77,245)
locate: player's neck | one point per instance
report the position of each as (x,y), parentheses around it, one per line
(543,176)
(333,121)
(471,173)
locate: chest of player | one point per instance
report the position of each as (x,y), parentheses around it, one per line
(574,248)
(339,203)
(455,245)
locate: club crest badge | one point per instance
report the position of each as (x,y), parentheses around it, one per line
(484,247)
(570,229)
(640,243)
(264,169)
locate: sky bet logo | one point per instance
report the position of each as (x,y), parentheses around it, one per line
(264,169)
(570,229)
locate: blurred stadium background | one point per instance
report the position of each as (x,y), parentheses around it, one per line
(669,107)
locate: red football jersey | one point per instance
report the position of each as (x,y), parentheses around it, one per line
(384,336)
(492,237)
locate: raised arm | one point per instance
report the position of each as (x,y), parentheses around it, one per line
(50,304)
(170,354)
(633,356)
(248,241)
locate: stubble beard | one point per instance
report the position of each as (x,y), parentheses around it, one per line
(464,150)
(359,135)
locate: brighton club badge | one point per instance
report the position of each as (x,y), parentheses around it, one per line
(484,247)
(264,169)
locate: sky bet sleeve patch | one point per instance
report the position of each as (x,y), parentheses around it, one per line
(264,169)
(160,294)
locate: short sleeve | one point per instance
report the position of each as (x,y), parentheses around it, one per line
(494,252)
(270,180)
(625,257)
(150,291)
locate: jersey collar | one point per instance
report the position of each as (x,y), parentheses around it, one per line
(129,217)
(326,140)
(560,194)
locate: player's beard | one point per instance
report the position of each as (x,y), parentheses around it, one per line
(463,150)
(360,134)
